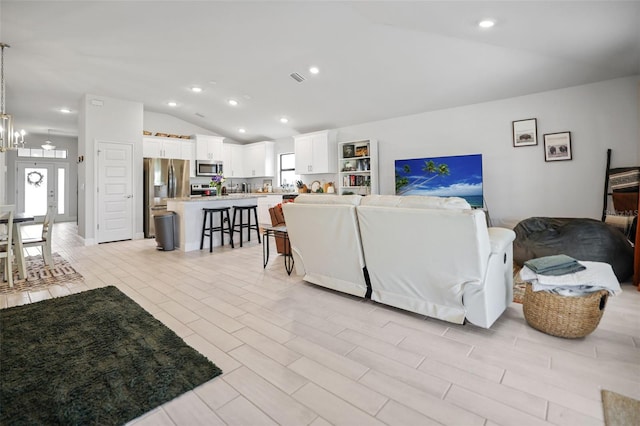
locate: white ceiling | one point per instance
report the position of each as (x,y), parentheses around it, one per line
(377,59)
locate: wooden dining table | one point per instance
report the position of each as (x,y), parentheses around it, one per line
(18,249)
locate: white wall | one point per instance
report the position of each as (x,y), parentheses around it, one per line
(115,121)
(518,183)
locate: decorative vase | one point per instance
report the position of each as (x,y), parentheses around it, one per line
(330,189)
(219,189)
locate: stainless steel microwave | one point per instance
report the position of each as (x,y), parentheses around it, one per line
(208,168)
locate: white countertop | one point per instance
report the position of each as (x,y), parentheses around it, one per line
(228,197)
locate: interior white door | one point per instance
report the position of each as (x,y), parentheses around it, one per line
(115,192)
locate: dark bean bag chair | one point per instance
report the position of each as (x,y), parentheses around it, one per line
(582,239)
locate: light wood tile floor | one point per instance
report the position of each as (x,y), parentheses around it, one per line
(296,354)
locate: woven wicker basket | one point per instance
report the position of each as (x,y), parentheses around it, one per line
(564,316)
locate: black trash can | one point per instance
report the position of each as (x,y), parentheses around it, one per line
(165,231)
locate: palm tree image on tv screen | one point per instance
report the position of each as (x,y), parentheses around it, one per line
(453,176)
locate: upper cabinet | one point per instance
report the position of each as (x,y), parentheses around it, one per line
(209,147)
(259,159)
(315,153)
(233,160)
(159,147)
(246,161)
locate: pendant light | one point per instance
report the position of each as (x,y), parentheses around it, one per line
(9,139)
(47,144)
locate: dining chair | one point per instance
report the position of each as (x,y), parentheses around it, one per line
(6,247)
(44,241)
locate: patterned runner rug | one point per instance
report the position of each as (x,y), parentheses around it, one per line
(40,276)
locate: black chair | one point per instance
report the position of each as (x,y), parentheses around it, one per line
(240,226)
(209,231)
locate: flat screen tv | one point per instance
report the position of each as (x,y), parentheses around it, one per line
(454,176)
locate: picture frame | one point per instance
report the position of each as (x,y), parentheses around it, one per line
(557,146)
(525,132)
(348,151)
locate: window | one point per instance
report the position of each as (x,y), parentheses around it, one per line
(288,175)
(42,153)
(61,187)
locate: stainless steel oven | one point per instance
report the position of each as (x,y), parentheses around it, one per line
(208,168)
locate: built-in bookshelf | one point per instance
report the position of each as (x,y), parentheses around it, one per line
(358,167)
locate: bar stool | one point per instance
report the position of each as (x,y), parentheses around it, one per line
(208,232)
(247,225)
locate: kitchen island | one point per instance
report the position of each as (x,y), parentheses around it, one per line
(189,216)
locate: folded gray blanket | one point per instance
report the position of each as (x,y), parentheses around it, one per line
(559,264)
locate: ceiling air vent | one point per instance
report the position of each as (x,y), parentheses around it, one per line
(297,77)
(199,115)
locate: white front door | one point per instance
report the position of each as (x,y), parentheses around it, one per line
(115,192)
(41,185)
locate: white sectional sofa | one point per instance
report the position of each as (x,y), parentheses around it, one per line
(430,255)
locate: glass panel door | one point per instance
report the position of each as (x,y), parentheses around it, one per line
(38,189)
(40,185)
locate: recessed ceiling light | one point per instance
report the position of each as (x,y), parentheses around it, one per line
(65,110)
(487,23)
(284,120)
(241,130)
(314,70)
(196,89)
(172,103)
(233,102)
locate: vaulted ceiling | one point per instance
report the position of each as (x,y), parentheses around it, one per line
(377,60)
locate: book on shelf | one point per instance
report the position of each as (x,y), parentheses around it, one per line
(356,180)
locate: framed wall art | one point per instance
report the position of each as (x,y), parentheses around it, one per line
(348,151)
(525,132)
(557,146)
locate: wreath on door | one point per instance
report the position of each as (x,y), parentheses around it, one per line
(35,178)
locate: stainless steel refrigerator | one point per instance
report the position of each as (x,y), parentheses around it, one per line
(163,179)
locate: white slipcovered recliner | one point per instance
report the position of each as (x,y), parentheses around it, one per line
(325,241)
(430,255)
(436,256)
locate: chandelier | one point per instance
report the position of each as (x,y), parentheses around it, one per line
(8,138)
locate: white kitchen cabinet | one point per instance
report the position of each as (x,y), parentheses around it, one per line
(358,167)
(158,147)
(315,153)
(233,160)
(209,147)
(259,159)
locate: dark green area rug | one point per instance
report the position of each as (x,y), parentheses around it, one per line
(95,357)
